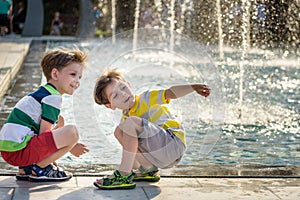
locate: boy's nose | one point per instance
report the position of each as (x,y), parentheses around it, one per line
(123,93)
(77,82)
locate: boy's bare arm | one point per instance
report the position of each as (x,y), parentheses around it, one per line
(60,122)
(178,91)
(45,126)
(48,126)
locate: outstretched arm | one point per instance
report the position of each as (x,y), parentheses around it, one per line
(178,91)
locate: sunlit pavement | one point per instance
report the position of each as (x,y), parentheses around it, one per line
(167,188)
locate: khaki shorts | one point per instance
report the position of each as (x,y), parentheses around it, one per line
(159,146)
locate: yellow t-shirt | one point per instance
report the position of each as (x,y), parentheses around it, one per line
(150,105)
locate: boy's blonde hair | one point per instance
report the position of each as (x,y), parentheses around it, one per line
(60,58)
(104,80)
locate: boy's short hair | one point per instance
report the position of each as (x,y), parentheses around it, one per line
(60,58)
(104,80)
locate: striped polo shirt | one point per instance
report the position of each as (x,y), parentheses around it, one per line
(24,120)
(150,105)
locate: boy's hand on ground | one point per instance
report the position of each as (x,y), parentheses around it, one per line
(79,149)
(203,90)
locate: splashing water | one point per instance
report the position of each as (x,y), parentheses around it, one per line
(148,66)
(269,127)
(252,116)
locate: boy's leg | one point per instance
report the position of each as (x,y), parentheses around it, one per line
(143,161)
(64,138)
(132,127)
(43,150)
(139,158)
(126,133)
(130,144)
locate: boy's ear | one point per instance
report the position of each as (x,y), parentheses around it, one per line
(108,105)
(54,74)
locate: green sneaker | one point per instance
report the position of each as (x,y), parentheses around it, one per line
(116,181)
(149,175)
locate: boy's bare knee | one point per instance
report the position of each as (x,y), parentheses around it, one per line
(73,132)
(132,126)
(134,121)
(138,123)
(117,132)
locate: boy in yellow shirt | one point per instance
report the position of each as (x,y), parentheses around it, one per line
(150,135)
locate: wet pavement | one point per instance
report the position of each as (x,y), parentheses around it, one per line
(193,183)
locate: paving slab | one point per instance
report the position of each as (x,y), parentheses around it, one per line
(284,192)
(81,188)
(6,193)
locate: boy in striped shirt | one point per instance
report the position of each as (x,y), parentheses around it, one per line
(34,135)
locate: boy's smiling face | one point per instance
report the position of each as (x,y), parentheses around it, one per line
(67,80)
(119,95)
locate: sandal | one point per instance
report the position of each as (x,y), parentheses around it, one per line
(116,181)
(48,174)
(150,175)
(28,172)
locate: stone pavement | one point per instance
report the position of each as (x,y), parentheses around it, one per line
(81,188)
(12,54)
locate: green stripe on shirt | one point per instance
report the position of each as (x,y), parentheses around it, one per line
(19,117)
(50,113)
(51,89)
(10,146)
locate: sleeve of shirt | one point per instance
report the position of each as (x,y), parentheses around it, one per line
(158,97)
(51,108)
(163,97)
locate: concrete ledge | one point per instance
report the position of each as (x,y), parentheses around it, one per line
(183,171)
(12,55)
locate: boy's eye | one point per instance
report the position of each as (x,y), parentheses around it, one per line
(115,95)
(122,86)
(73,74)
